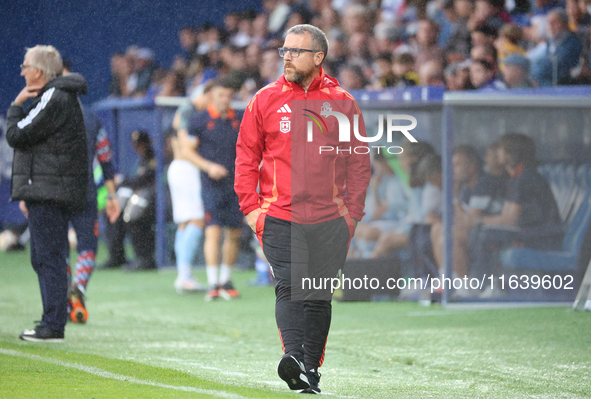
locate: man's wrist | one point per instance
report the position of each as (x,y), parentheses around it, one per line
(111,196)
(16,104)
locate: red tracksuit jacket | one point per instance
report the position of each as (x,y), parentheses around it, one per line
(296,181)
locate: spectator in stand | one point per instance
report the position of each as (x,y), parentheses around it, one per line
(209,40)
(508,42)
(260,33)
(460,40)
(121,69)
(384,77)
(483,35)
(144,68)
(426,40)
(242,38)
(231,21)
(173,85)
(562,54)
(484,52)
(457,76)
(387,202)
(419,240)
(431,73)
(351,77)
(579,21)
(423,199)
(482,76)
(359,49)
(404,70)
(339,54)
(270,67)
(475,192)
(189,43)
(387,38)
(234,63)
(490,12)
(355,19)
(516,72)
(579,18)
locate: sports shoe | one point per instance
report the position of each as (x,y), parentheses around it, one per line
(78,312)
(42,334)
(313,379)
(293,372)
(213,294)
(227,291)
(188,286)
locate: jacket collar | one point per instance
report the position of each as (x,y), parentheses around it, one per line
(319,83)
(214,114)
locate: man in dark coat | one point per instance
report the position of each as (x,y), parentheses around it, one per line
(50,174)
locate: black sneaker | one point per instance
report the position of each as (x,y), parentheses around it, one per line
(42,334)
(313,379)
(293,372)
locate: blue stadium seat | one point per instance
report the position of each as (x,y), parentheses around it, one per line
(556,261)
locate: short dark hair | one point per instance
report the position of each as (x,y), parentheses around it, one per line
(224,82)
(471,155)
(404,59)
(319,39)
(67,64)
(520,148)
(428,166)
(485,64)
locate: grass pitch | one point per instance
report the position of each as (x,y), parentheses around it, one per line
(143,340)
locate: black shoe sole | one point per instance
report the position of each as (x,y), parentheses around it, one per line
(289,370)
(50,340)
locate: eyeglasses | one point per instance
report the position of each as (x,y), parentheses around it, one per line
(23,67)
(294,52)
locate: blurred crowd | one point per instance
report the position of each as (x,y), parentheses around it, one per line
(462,44)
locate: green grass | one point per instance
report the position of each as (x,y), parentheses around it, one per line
(141,332)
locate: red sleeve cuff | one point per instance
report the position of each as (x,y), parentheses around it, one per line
(246,210)
(356,215)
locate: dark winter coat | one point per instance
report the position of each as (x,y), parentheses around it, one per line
(49,140)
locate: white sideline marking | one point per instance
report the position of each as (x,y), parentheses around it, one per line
(107,374)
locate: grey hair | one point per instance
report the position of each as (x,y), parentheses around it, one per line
(319,40)
(47,59)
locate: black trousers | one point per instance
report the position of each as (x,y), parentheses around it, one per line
(297,252)
(48,224)
(143,240)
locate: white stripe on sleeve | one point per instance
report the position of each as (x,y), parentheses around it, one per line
(40,106)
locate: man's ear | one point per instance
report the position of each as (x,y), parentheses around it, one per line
(318,58)
(38,73)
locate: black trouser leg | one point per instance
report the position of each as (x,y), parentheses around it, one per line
(115,238)
(143,240)
(48,224)
(327,252)
(296,252)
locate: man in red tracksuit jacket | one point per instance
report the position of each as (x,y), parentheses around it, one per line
(311,192)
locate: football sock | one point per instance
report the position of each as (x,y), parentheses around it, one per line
(225,273)
(212,275)
(84,267)
(187,249)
